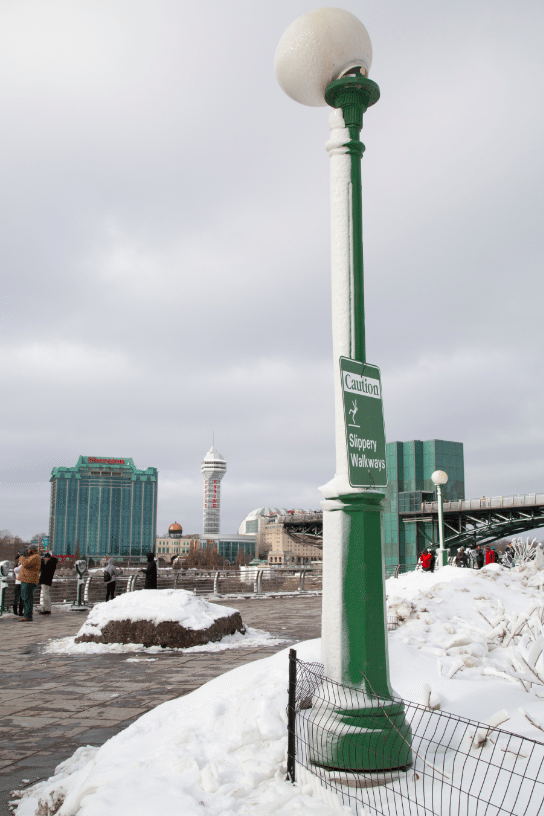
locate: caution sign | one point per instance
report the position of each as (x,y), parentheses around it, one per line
(363,420)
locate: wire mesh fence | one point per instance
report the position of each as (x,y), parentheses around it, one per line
(434,764)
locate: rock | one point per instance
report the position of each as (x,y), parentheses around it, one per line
(168,634)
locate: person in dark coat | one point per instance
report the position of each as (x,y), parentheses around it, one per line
(110,576)
(47,570)
(479,557)
(460,558)
(150,572)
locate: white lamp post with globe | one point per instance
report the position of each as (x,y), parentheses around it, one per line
(440,478)
(323,58)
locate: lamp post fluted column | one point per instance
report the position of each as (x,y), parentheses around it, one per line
(440,478)
(323,59)
(354,647)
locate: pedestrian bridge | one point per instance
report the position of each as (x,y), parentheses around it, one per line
(466,522)
(478,521)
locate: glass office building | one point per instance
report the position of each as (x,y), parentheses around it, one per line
(409,469)
(229,546)
(103,507)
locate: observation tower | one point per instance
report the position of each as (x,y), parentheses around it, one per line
(213,469)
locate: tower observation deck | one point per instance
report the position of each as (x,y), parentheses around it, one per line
(213,469)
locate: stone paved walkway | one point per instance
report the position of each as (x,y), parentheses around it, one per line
(50,704)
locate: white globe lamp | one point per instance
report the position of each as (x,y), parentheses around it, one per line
(317,48)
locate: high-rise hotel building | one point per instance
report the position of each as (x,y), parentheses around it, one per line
(103,506)
(213,469)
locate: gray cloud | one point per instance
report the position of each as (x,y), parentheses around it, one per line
(165,249)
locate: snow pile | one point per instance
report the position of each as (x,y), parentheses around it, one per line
(156,606)
(222,748)
(254,638)
(475,623)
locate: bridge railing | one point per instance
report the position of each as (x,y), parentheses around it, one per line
(486,502)
(299,518)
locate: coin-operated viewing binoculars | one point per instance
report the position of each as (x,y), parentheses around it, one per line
(81,569)
(4,572)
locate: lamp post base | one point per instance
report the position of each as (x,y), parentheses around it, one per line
(374,738)
(442,558)
(354,724)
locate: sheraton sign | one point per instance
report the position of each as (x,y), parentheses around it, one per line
(93,460)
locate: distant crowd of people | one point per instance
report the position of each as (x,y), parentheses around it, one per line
(32,570)
(111,572)
(471,557)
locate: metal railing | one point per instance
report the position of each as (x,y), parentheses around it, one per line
(459,767)
(525,500)
(211,583)
(394,570)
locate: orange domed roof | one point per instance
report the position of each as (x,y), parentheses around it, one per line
(175,528)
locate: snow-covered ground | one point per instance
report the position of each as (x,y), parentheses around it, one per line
(253,638)
(222,748)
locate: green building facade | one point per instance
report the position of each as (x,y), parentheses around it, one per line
(409,469)
(103,507)
(229,546)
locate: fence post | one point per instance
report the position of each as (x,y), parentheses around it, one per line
(4,571)
(291,716)
(81,569)
(86,590)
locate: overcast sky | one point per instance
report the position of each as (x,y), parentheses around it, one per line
(164,243)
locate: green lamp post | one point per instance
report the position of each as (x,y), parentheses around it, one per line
(323,58)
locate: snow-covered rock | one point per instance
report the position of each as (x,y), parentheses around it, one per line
(169,618)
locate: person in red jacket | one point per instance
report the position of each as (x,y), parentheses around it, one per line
(425,560)
(490,555)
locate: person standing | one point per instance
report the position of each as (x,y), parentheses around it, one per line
(48,567)
(490,555)
(425,560)
(509,556)
(460,558)
(17,600)
(479,557)
(150,572)
(110,576)
(28,576)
